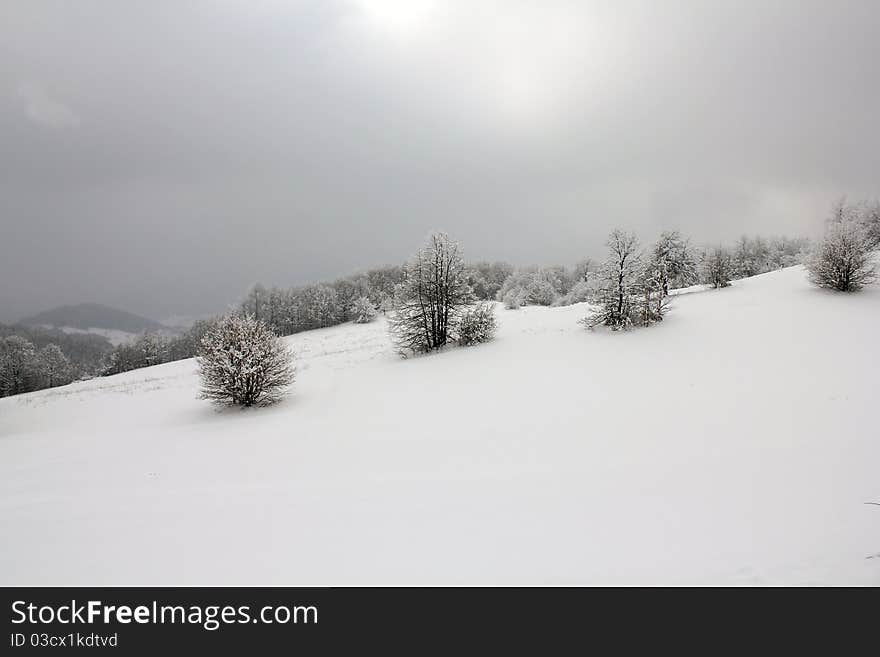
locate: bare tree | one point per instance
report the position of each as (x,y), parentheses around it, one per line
(243,362)
(429,301)
(842,260)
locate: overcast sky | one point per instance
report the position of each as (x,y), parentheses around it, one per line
(163,156)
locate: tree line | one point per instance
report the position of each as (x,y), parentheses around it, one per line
(436,298)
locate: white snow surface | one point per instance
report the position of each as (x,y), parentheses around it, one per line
(735,443)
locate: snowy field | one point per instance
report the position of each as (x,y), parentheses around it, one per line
(735,443)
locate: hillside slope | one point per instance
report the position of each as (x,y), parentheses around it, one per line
(735,443)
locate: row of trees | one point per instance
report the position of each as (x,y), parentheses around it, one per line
(559,286)
(155,348)
(85,351)
(25,368)
(287,311)
(431,299)
(362,296)
(632,285)
(436,300)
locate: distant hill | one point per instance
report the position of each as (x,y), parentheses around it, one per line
(85,316)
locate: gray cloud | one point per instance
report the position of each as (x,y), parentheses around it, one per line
(200,147)
(44,110)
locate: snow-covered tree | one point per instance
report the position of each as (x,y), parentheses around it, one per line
(540,286)
(486,278)
(618,283)
(363,310)
(477,324)
(54,366)
(17,365)
(323,306)
(429,301)
(843,259)
(187,344)
(243,362)
(348,291)
(750,257)
(153,347)
(256,302)
(652,299)
(718,267)
(381,282)
(871,220)
(582,270)
(672,261)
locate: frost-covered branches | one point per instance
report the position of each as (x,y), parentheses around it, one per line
(673,261)
(631,287)
(243,363)
(843,260)
(619,283)
(429,301)
(653,300)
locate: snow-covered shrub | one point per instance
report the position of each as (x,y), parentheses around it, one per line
(580,292)
(538,286)
(541,292)
(477,324)
(842,260)
(718,267)
(515,299)
(363,310)
(243,362)
(429,302)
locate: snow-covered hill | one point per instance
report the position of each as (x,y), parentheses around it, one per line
(735,443)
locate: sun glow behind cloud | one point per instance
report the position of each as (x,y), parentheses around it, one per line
(517,65)
(399,17)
